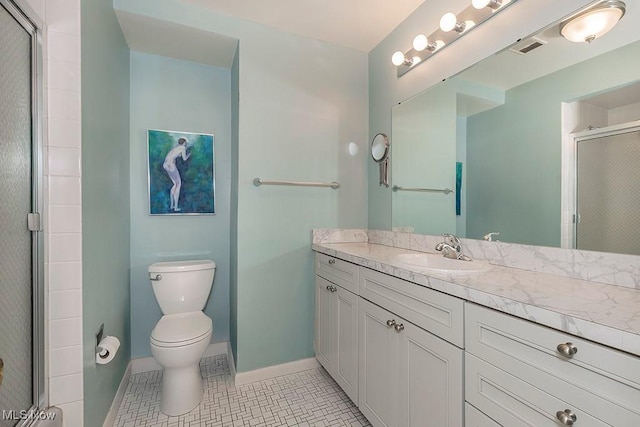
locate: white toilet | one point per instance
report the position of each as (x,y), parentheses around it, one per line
(184,332)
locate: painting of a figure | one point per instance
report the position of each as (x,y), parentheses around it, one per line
(181,173)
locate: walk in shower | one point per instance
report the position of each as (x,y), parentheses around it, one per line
(21,256)
(607,197)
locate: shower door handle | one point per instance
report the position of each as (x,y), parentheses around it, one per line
(1,370)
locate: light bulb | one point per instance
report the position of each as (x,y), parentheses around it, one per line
(448,21)
(420,43)
(398,59)
(481,4)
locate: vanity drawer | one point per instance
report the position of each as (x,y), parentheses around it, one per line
(337,271)
(605,377)
(512,401)
(438,313)
(475,418)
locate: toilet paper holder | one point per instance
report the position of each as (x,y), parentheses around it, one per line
(99,336)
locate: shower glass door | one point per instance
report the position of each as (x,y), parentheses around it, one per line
(608,191)
(21,346)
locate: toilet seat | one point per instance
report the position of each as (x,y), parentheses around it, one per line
(178,330)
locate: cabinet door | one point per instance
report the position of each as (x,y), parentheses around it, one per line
(377,353)
(430,379)
(325,324)
(346,339)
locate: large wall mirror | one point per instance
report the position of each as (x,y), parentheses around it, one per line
(533,140)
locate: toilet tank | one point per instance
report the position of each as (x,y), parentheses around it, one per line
(182,286)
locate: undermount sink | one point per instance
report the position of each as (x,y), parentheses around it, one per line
(439,264)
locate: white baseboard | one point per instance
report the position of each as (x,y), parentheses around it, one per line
(146,364)
(275,371)
(117,400)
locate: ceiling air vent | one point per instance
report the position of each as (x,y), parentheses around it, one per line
(526,46)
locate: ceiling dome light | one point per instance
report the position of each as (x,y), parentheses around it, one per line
(593,22)
(398,59)
(481,4)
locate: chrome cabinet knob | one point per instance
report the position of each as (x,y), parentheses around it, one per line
(567,349)
(332,288)
(332,261)
(566,417)
(399,327)
(390,323)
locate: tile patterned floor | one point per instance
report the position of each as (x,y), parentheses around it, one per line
(310,398)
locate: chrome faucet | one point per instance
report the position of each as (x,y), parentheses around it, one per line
(491,237)
(451,247)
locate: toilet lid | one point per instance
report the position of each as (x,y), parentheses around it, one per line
(175,328)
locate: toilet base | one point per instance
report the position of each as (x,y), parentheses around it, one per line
(181,390)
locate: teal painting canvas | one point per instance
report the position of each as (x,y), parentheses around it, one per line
(181,173)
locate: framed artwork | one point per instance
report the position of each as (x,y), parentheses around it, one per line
(181,173)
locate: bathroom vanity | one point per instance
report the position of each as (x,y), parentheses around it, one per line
(499,347)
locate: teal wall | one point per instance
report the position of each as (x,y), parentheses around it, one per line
(233,247)
(301,103)
(387,90)
(522,140)
(177,95)
(424,156)
(105,202)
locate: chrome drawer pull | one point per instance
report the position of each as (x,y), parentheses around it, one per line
(567,349)
(399,327)
(333,289)
(390,323)
(332,261)
(566,417)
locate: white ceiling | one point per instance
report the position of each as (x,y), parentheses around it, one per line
(356,24)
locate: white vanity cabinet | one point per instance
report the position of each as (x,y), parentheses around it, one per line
(408,376)
(522,374)
(337,322)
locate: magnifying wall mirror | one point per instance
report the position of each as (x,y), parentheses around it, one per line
(380,154)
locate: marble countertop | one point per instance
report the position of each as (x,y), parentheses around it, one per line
(603,313)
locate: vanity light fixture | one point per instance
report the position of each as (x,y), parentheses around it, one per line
(452,26)
(593,22)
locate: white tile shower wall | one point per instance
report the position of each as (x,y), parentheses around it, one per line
(607,268)
(62,216)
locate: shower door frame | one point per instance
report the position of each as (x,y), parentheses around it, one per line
(613,130)
(23,14)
